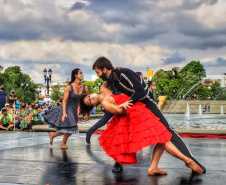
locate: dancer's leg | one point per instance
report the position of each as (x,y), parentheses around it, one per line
(176,139)
(107,116)
(65,138)
(55,134)
(172,150)
(157,153)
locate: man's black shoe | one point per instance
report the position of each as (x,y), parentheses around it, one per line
(117,168)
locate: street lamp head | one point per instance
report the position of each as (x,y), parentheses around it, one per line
(50,72)
(162,85)
(22,84)
(27,84)
(45,72)
(99,83)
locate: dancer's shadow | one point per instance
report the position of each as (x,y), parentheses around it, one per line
(121,177)
(62,170)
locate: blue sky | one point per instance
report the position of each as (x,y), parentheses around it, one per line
(65,34)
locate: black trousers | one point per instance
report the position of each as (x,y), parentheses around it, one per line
(176,139)
(107,116)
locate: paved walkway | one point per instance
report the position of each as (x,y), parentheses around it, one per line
(27,158)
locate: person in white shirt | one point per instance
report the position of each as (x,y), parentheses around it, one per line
(47,99)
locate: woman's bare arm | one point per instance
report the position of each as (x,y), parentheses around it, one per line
(104,87)
(86,90)
(111,107)
(66,94)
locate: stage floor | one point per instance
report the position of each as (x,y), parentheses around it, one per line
(27,158)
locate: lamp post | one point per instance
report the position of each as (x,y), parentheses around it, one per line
(173,93)
(47,78)
(162,90)
(99,84)
(38,90)
(24,86)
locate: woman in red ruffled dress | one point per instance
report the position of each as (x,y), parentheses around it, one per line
(131,130)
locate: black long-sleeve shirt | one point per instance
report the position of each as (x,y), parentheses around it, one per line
(128,82)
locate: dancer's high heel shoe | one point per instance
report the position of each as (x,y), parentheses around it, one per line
(64,146)
(195,167)
(51,139)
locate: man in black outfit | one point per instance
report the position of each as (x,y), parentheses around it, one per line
(128,82)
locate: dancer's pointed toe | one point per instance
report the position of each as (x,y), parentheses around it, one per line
(157,172)
(51,139)
(195,167)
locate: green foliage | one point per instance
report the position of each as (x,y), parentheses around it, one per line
(194,68)
(183,80)
(56,94)
(12,79)
(93,85)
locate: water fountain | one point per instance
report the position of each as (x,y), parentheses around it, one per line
(222,110)
(200,110)
(187,114)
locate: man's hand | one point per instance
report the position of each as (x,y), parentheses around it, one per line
(126,105)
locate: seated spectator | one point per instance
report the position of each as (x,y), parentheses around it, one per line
(18,103)
(46,106)
(47,99)
(35,117)
(9,110)
(6,120)
(23,114)
(12,98)
(3,97)
(30,107)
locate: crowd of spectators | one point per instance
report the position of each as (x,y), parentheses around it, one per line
(24,115)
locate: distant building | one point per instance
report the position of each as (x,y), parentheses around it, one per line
(215,78)
(43,88)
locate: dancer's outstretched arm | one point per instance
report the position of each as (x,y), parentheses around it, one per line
(66,94)
(110,106)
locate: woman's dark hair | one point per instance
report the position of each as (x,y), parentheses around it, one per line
(85,109)
(102,62)
(73,73)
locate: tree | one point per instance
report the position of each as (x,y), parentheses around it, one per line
(13,77)
(194,69)
(56,94)
(159,75)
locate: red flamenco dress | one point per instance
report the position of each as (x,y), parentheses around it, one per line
(127,134)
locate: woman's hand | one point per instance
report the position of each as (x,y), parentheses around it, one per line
(63,117)
(126,105)
(86,117)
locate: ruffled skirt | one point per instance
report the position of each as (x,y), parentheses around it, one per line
(126,135)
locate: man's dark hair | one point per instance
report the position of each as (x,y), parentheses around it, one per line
(150,83)
(102,62)
(138,73)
